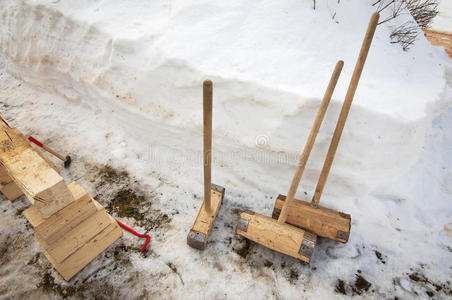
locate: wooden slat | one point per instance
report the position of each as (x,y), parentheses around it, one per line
(33,216)
(11,191)
(68,218)
(4,176)
(12,142)
(283,238)
(44,157)
(44,186)
(83,256)
(77,237)
(322,221)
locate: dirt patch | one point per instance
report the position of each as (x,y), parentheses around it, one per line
(244,250)
(109,175)
(380,256)
(340,287)
(174,269)
(430,287)
(293,276)
(125,203)
(48,285)
(359,286)
(123,196)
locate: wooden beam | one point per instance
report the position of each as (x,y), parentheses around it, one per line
(283,238)
(322,221)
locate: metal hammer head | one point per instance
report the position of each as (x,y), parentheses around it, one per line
(197,240)
(67,162)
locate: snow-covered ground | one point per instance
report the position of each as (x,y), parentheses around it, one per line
(119,83)
(443,21)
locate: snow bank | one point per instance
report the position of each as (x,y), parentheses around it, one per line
(142,65)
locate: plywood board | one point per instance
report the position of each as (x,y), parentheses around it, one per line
(68,218)
(77,237)
(79,259)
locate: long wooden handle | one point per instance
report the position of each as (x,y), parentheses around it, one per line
(310,142)
(207,132)
(48,149)
(345,108)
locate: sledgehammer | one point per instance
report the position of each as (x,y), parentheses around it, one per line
(67,160)
(213,194)
(323,221)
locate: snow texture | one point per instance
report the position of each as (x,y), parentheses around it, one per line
(119,83)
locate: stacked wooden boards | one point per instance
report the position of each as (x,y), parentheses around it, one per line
(32,173)
(76,234)
(70,225)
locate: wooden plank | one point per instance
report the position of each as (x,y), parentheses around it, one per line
(4,176)
(440,38)
(200,231)
(44,157)
(11,191)
(63,221)
(83,256)
(77,237)
(12,142)
(283,238)
(322,221)
(33,216)
(42,183)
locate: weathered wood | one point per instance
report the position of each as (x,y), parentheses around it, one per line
(72,242)
(4,176)
(77,237)
(44,186)
(12,142)
(68,218)
(11,191)
(44,157)
(200,231)
(283,238)
(83,256)
(32,172)
(323,221)
(311,140)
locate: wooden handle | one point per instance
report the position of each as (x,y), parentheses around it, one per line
(50,150)
(207,132)
(310,142)
(345,108)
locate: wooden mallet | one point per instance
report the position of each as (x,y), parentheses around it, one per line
(276,234)
(67,160)
(213,194)
(323,221)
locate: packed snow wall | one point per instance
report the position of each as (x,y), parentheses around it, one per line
(141,65)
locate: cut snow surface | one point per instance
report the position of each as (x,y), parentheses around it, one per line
(119,83)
